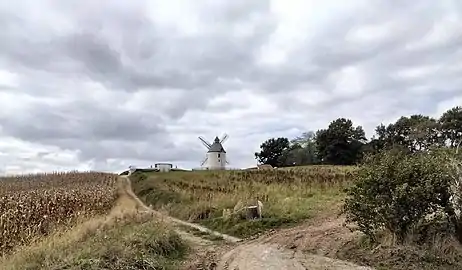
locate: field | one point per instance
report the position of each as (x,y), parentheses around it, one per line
(289,196)
(93,220)
(34,205)
(79,221)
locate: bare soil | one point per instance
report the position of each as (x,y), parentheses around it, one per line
(265,256)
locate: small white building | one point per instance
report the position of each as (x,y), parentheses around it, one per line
(163,167)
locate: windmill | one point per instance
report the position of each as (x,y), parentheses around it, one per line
(215,158)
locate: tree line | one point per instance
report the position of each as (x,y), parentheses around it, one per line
(343,143)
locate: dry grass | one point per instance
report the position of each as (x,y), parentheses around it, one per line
(34,205)
(123,239)
(289,196)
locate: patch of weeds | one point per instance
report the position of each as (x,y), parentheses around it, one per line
(201,234)
(247,228)
(147,245)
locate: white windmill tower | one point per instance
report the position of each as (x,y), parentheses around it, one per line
(215,158)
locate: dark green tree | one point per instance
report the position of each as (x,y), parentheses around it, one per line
(341,143)
(273,152)
(451,126)
(414,133)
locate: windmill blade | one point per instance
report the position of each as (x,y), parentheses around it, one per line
(205,143)
(224,138)
(205,160)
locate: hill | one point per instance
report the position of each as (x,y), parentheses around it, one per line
(288,196)
(195,220)
(301,212)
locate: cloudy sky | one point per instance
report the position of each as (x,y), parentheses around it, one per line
(103,85)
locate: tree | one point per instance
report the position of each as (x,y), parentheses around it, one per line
(341,143)
(451,126)
(414,133)
(292,156)
(303,150)
(304,139)
(273,152)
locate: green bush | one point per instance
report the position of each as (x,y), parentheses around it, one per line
(395,191)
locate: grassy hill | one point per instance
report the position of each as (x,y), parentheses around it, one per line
(301,205)
(289,196)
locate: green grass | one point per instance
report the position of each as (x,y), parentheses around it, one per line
(201,234)
(289,196)
(133,242)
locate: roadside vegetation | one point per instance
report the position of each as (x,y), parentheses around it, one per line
(81,221)
(130,241)
(408,207)
(216,199)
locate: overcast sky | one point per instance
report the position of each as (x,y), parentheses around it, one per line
(102,85)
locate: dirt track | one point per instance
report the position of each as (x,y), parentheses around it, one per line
(260,254)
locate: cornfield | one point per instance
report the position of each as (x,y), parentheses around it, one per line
(34,205)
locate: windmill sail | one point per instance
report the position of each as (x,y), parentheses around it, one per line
(224,138)
(204,142)
(203,162)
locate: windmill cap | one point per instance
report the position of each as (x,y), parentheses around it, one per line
(216,146)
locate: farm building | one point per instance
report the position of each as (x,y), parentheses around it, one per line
(163,167)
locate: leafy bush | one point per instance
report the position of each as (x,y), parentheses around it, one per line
(395,191)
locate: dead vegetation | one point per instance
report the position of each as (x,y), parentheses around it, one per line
(32,206)
(126,238)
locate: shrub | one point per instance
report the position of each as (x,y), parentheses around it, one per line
(395,191)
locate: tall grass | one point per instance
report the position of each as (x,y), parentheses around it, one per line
(288,196)
(126,241)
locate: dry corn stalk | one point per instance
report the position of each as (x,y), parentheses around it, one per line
(33,205)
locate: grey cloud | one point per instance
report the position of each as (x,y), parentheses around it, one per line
(150,150)
(146,56)
(80,121)
(115,44)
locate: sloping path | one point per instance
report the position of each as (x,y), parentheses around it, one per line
(256,254)
(129,191)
